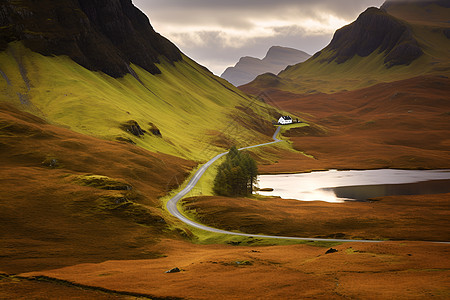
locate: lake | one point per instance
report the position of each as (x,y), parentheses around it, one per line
(339,186)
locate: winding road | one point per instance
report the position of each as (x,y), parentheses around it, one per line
(173,209)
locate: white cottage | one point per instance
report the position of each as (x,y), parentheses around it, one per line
(284,120)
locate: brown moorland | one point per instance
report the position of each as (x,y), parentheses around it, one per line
(54,212)
(389,270)
(13,287)
(414,218)
(403,124)
(62,223)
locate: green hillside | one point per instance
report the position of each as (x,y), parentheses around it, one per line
(405,41)
(197,113)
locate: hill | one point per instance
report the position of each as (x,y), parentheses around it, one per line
(377,93)
(102,70)
(99,38)
(401,124)
(100,117)
(276,60)
(94,132)
(66,197)
(398,41)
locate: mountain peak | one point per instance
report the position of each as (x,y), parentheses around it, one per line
(100,35)
(387,34)
(276,59)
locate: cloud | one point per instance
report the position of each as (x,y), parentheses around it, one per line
(231,27)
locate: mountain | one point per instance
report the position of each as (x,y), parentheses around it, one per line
(99,68)
(378,93)
(100,35)
(400,40)
(100,117)
(276,59)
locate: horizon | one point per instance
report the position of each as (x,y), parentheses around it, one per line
(218,34)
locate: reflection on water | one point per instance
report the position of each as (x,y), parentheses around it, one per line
(338,186)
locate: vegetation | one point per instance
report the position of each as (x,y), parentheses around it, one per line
(185,96)
(236,176)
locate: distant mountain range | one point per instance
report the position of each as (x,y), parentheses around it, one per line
(276,60)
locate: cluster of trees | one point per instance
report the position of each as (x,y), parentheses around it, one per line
(236,176)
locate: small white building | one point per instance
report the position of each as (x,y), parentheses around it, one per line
(284,120)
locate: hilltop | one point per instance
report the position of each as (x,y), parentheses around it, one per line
(378,92)
(276,60)
(400,40)
(99,38)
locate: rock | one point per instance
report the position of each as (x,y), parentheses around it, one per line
(51,162)
(387,34)
(174,270)
(100,35)
(132,127)
(331,250)
(154,130)
(266,190)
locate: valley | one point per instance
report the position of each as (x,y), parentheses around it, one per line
(111,137)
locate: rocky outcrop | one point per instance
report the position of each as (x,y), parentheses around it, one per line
(133,127)
(331,250)
(154,129)
(100,35)
(375,30)
(173,270)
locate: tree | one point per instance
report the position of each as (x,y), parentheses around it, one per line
(236,175)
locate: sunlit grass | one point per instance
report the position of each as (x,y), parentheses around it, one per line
(185,102)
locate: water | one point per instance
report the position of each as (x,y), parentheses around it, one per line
(339,186)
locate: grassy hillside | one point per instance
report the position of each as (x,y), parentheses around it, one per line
(68,198)
(401,124)
(197,113)
(325,73)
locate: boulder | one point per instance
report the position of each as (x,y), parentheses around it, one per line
(173,270)
(331,250)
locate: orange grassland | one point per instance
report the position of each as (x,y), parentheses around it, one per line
(87,249)
(403,124)
(390,270)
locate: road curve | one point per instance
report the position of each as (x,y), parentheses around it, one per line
(173,209)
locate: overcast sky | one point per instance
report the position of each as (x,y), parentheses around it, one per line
(216,33)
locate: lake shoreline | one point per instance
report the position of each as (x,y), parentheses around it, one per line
(337,186)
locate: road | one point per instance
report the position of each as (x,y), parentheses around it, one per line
(173,209)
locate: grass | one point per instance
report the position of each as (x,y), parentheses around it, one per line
(185,102)
(101,182)
(207,238)
(315,76)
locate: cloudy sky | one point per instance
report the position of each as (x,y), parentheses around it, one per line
(216,33)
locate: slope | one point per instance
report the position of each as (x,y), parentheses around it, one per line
(276,59)
(68,198)
(99,78)
(401,124)
(382,45)
(87,88)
